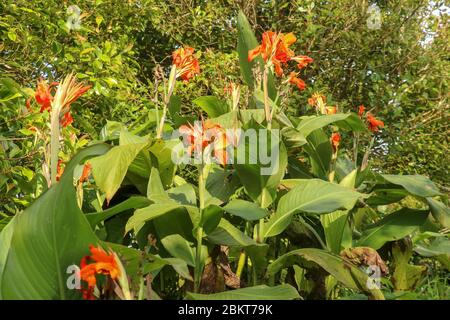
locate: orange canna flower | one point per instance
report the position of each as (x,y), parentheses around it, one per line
(60,170)
(42,95)
(66,120)
(68,92)
(297,81)
(274,48)
(186,63)
(335,140)
(330,110)
(302,61)
(201,135)
(86,172)
(103,263)
(316,99)
(361,109)
(374,123)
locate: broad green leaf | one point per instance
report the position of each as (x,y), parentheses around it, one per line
(348,121)
(437,246)
(222,183)
(162,157)
(157,263)
(349,180)
(131,203)
(405,276)
(47,237)
(180,248)
(228,235)
(232,119)
(5,243)
(184,194)
(320,153)
(212,105)
(155,187)
(394,226)
(211,217)
(151,212)
(440,212)
(415,184)
(344,271)
(292,137)
(385,196)
(310,196)
(261,292)
(260,185)
(245,209)
(110,169)
(333,226)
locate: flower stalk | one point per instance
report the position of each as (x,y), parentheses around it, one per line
(199,234)
(167,96)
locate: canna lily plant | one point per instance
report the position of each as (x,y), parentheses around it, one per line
(321,224)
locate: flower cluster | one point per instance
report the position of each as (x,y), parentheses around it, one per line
(66,93)
(275,51)
(319,101)
(201,135)
(102,263)
(373,123)
(186,63)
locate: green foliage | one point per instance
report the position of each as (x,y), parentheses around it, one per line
(226,231)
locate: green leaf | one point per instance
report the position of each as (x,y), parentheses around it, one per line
(222,183)
(440,212)
(179,265)
(246,42)
(261,292)
(231,119)
(320,153)
(47,237)
(212,105)
(131,203)
(344,271)
(348,121)
(155,187)
(151,212)
(438,246)
(395,226)
(180,248)
(333,226)
(245,209)
(110,169)
(311,196)
(211,217)
(259,185)
(162,157)
(292,137)
(415,184)
(228,235)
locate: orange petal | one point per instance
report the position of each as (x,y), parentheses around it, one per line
(252,54)
(289,38)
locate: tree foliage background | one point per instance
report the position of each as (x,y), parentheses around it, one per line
(400,71)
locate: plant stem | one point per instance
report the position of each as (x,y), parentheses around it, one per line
(168,95)
(355,148)
(332,167)
(266,99)
(365,159)
(54,144)
(241,264)
(198,254)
